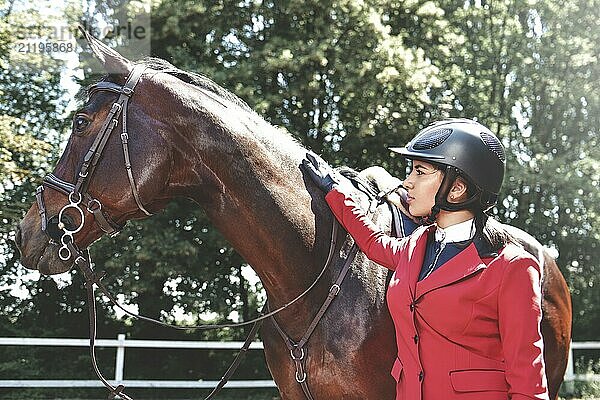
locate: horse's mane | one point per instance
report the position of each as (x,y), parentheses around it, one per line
(276,138)
(195,79)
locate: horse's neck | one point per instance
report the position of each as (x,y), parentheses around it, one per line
(259,201)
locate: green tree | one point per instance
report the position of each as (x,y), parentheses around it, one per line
(31,104)
(330,72)
(31,124)
(563,110)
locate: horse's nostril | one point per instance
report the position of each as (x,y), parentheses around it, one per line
(18,237)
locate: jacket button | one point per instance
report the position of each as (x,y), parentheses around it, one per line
(412,307)
(421,375)
(416,338)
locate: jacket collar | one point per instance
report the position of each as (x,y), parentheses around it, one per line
(460,232)
(416,253)
(464,264)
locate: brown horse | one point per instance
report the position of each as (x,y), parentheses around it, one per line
(186,136)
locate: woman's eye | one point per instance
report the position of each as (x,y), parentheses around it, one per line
(81,123)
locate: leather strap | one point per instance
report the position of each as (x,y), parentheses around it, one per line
(298,350)
(39,197)
(333,291)
(237,360)
(92,156)
(93,206)
(83,261)
(125,145)
(399,230)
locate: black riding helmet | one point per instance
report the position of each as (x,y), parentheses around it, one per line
(464,148)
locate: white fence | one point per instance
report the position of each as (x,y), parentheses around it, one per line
(121,343)
(570,374)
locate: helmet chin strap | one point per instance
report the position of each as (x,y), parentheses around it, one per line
(441,197)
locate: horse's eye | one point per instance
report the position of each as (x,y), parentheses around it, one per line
(81,123)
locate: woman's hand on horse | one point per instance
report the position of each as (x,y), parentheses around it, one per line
(325,177)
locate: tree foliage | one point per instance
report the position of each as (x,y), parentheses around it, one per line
(31,104)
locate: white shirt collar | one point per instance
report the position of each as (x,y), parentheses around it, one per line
(456,233)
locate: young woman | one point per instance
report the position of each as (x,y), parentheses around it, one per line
(465,300)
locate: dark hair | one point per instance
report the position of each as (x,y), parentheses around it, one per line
(492,231)
(486,226)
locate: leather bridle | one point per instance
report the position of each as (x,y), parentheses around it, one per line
(77,193)
(81,201)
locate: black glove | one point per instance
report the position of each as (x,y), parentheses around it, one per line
(321,173)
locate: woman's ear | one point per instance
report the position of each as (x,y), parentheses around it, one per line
(458,191)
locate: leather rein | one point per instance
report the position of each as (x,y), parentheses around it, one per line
(60,230)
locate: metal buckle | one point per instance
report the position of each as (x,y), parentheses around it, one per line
(75,202)
(64,253)
(301,353)
(127,91)
(335,289)
(80,258)
(114,233)
(302,378)
(91,204)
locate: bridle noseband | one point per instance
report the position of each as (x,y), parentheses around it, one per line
(77,193)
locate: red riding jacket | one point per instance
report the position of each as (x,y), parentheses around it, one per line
(469,331)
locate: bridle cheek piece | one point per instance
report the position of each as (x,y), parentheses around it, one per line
(77,194)
(60,229)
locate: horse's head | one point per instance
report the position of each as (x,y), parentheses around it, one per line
(115,167)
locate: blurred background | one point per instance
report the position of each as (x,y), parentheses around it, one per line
(348,79)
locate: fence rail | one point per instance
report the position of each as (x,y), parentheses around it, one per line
(570,374)
(121,343)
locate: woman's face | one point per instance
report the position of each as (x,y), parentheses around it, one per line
(422,185)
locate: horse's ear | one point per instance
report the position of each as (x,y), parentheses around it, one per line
(113,62)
